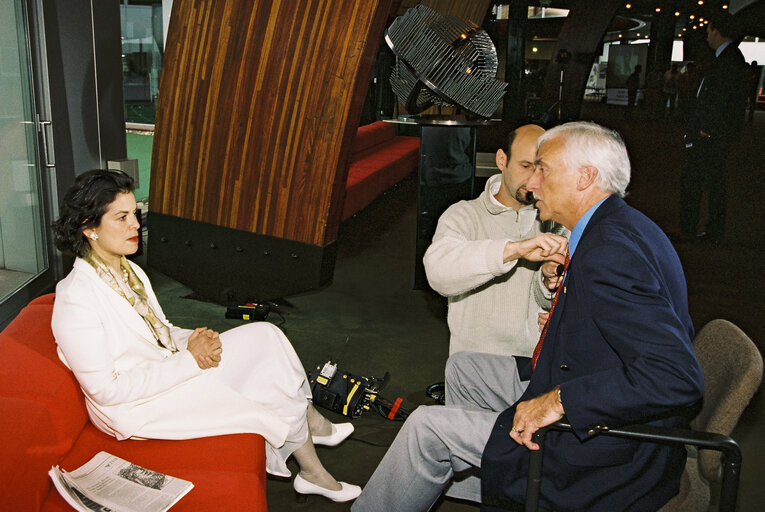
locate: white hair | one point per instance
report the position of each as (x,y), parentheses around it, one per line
(589,144)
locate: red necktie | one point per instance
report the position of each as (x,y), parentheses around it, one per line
(538,348)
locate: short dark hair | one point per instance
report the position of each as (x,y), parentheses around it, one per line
(723,22)
(509,142)
(83,206)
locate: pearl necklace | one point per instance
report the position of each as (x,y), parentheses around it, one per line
(124,276)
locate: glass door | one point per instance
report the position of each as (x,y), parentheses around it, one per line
(25,266)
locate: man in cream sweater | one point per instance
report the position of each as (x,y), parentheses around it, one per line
(496,262)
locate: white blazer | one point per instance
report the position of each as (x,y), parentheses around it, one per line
(135,388)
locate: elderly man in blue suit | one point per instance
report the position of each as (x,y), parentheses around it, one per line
(616,350)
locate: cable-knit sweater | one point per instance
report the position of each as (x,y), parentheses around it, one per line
(493,305)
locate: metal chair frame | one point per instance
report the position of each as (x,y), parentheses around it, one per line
(731,455)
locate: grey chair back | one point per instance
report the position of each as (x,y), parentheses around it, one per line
(732,367)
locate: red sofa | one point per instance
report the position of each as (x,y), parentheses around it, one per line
(43,422)
(379,160)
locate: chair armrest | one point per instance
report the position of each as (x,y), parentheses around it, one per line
(731,462)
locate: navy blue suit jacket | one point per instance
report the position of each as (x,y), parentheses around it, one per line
(619,346)
(721,101)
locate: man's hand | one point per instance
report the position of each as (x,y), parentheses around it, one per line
(204,344)
(544,247)
(550,276)
(542,319)
(534,414)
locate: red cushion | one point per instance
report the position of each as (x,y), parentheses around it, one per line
(396,150)
(31,369)
(44,299)
(372,134)
(228,472)
(29,451)
(377,169)
(235,452)
(25,373)
(32,327)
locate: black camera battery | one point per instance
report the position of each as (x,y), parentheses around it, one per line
(252,312)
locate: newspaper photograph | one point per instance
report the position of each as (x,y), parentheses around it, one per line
(108,483)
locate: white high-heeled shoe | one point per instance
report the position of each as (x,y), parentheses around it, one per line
(340,432)
(303,487)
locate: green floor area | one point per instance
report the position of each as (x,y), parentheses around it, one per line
(140,112)
(139,146)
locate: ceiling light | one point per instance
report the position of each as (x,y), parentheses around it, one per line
(658,9)
(725,6)
(535,49)
(701,2)
(628,6)
(677,13)
(692,17)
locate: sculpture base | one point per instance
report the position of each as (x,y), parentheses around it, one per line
(228,265)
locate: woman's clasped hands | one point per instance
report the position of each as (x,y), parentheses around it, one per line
(204,344)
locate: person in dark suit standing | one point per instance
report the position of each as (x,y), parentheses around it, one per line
(714,124)
(616,350)
(633,84)
(753,77)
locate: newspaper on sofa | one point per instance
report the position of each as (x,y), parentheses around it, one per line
(108,483)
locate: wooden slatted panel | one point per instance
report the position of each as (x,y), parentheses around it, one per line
(257,108)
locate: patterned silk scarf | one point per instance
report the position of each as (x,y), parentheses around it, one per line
(130,287)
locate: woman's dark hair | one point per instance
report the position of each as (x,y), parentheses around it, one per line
(83,206)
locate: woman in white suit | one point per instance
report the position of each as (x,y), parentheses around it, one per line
(145,378)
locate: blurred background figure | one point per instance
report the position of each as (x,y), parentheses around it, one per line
(714,124)
(669,91)
(687,86)
(753,76)
(633,84)
(653,85)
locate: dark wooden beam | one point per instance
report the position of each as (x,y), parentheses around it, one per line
(581,35)
(513,107)
(662,38)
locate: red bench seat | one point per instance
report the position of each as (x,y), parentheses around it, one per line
(380,159)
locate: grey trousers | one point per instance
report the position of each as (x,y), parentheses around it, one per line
(439,448)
